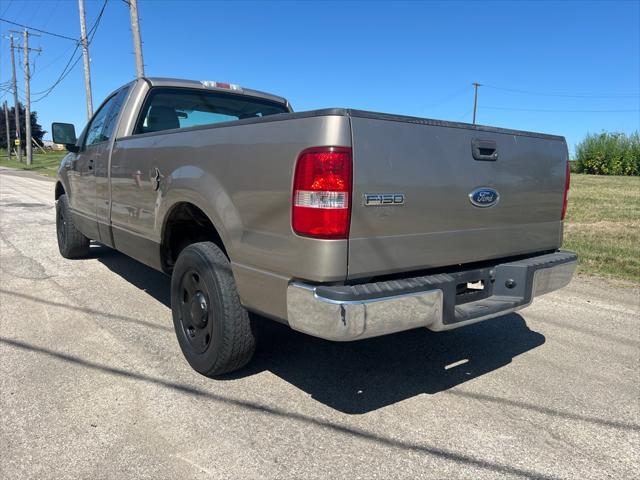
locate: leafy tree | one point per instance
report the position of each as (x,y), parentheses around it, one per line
(36,130)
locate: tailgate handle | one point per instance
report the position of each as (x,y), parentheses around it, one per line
(484,150)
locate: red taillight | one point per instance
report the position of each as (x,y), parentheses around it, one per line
(567,182)
(322,193)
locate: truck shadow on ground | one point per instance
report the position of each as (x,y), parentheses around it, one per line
(358,377)
(362,376)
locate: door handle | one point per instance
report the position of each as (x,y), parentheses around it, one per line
(91,162)
(155,179)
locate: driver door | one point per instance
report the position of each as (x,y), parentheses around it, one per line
(94,150)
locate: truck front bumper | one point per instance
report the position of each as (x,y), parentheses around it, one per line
(437,302)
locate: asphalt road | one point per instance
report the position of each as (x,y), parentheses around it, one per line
(93,384)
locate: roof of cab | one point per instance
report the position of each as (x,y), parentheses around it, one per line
(176,82)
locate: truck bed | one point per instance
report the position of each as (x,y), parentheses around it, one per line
(429,161)
(243,170)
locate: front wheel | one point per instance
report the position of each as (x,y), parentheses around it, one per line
(213,328)
(71,242)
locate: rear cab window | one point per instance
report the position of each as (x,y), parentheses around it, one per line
(172,108)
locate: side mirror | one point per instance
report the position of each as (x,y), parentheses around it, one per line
(64,133)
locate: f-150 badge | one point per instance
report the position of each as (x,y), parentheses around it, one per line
(484,197)
(383,199)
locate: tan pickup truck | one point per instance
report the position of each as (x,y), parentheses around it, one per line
(341,223)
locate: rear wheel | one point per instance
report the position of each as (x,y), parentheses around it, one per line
(71,242)
(213,328)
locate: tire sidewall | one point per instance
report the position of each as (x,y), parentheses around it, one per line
(61,226)
(72,243)
(192,258)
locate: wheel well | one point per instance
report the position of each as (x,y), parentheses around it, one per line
(186,224)
(59,190)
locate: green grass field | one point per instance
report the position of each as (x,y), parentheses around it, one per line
(46,164)
(603,219)
(603,225)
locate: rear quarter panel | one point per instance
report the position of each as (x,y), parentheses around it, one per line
(241,177)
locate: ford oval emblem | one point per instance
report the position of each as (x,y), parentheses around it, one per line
(484,197)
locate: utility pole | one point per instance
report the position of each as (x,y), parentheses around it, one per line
(16,113)
(85,58)
(6,121)
(475,101)
(27,94)
(135,32)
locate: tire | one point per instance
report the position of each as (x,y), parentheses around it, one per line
(71,242)
(213,329)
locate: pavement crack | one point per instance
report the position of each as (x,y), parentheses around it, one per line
(194,464)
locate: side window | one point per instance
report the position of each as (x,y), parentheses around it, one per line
(171,108)
(94,131)
(114,112)
(103,122)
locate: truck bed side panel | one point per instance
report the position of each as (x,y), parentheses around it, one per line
(241,177)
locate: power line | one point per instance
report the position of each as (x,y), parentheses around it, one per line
(7,9)
(50,14)
(548,94)
(562,111)
(38,30)
(464,115)
(445,99)
(55,60)
(35,11)
(70,66)
(65,72)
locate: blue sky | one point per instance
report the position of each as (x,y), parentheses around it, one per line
(566,68)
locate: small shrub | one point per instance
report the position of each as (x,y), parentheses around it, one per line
(609,154)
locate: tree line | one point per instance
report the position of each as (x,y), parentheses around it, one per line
(608,153)
(36,130)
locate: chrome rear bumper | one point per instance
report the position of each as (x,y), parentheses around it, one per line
(344,313)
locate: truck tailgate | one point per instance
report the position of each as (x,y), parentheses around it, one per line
(432,164)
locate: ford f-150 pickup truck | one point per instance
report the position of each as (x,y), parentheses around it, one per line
(343,224)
